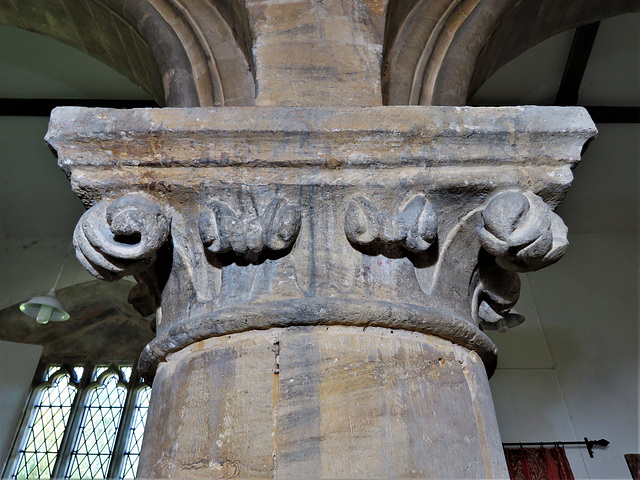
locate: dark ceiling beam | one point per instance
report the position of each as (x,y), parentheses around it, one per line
(583,40)
(614,114)
(41,107)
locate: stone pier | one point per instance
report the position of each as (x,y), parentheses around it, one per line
(320,275)
(320,266)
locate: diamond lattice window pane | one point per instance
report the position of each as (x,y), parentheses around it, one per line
(136,431)
(126,373)
(45,431)
(79,371)
(101,417)
(99,371)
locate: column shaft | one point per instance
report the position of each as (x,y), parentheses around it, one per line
(331,402)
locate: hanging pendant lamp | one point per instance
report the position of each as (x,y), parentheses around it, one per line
(47,308)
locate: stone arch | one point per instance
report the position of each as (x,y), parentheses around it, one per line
(438,52)
(183,56)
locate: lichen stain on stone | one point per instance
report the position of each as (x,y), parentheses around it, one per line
(377,7)
(335,162)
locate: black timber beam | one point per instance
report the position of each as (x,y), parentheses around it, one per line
(579,53)
(41,107)
(614,114)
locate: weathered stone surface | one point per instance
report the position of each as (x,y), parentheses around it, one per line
(120,238)
(322,402)
(317,52)
(284,248)
(398,217)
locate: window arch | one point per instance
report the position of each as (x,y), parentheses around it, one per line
(82,421)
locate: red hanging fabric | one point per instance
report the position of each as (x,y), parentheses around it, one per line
(538,464)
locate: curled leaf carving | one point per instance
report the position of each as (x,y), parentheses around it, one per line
(361,221)
(521,232)
(223,230)
(116,238)
(413,228)
(496,293)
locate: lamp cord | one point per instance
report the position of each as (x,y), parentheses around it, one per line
(62,266)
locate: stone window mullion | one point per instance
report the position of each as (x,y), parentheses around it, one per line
(120,445)
(72,429)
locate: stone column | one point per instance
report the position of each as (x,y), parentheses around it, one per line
(320,276)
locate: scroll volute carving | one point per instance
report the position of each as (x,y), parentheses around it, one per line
(121,237)
(413,228)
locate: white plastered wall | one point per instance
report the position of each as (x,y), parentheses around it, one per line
(18,364)
(571,370)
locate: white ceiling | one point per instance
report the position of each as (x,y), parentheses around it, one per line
(604,195)
(35,66)
(37,201)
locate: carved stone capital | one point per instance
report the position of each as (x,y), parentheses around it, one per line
(412,218)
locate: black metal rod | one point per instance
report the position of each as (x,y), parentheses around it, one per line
(517,444)
(589,444)
(41,107)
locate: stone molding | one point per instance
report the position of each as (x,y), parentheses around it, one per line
(439,52)
(227,53)
(183,53)
(411,218)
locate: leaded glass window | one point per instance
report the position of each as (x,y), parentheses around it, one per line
(132,452)
(83,422)
(100,421)
(47,423)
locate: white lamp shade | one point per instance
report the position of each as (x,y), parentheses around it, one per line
(46,308)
